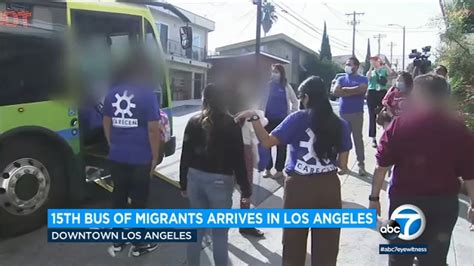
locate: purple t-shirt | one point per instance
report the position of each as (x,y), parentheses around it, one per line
(355,103)
(131,108)
(277,105)
(295,130)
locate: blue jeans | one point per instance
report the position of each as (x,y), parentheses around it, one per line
(210,191)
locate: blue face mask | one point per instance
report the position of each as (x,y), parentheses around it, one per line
(401,86)
(275,77)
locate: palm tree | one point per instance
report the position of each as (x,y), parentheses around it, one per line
(269,16)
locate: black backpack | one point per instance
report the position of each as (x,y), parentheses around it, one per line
(381,80)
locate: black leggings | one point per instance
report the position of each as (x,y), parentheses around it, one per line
(441,215)
(374,103)
(130,181)
(281,149)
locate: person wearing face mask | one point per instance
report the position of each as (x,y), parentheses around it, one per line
(320,142)
(351,89)
(378,75)
(279,102)
(395,99)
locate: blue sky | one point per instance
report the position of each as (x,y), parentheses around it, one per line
(235,21)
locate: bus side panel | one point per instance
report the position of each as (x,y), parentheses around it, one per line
(53,115)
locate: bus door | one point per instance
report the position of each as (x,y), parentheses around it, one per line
(102,39)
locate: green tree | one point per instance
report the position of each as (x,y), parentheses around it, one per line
(325,52)
(456,54)
(327,70)
(269,16)
(367,58)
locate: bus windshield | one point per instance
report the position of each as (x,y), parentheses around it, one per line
(31,65)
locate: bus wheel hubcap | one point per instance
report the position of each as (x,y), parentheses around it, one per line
(24,186)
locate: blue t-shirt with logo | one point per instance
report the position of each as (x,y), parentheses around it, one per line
(131,108)
(277,105)
(296,131)
(355,103)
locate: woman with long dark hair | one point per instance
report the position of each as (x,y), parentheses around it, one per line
(320,142)
(279,102)
(213,153)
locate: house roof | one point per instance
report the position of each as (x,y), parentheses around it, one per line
(271,38)
(276,58)
(194,18)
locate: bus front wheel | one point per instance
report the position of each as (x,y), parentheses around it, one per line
(32,179)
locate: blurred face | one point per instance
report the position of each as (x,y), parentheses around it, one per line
(276,75)
(400,83)
(421,101)
(376,62)
(304,99)
(441,72)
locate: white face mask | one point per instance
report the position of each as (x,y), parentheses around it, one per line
(348,69)
(401,86)
(275,76)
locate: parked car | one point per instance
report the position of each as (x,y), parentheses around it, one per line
(333,83)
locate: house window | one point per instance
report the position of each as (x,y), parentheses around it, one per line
(163,29)
(198,51)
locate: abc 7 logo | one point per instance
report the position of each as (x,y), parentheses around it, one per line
(407,222)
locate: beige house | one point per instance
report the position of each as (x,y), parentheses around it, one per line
(188,67)
(279,45)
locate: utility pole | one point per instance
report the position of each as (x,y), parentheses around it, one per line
(258,3)
(391,51)
(403,51)
(403,60)
(354,22)
(379,37)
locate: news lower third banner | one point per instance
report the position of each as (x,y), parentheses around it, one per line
(210,218)
(122,235)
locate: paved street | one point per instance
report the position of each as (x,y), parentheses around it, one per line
(357,247)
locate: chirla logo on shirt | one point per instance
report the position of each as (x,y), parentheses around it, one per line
(310,164)
(123,107)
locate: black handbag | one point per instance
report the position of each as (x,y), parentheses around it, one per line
(381,79)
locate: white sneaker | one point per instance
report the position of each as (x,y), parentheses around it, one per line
(267,174)
(136,251)
(278,175)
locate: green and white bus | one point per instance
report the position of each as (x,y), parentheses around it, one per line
(45,155)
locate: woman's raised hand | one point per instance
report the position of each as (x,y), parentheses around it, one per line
(244,115)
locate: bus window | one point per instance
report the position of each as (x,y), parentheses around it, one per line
(31,57)
(152,45)
(103,41)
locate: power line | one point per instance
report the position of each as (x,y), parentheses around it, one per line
(305,22)
(245,27)
(315,27)
(308,32)
(387,31)
(354,22)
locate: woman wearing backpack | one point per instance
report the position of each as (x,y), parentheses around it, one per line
(378,75)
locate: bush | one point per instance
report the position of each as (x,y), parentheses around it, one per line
(323,68)
(456,54)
